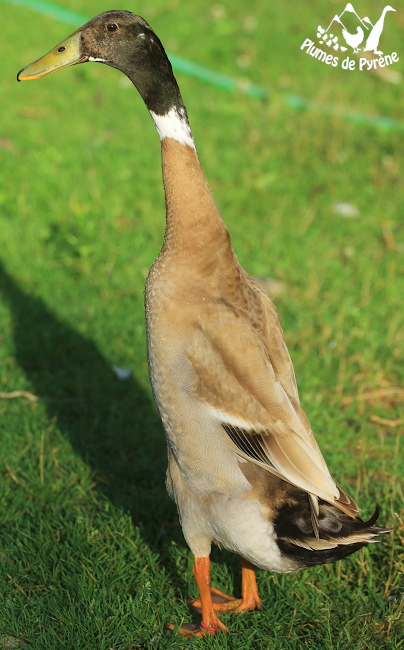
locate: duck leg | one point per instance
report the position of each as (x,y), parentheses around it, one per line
(210,624)
(249,591)
(249,594)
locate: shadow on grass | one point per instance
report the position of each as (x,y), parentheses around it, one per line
(112,425)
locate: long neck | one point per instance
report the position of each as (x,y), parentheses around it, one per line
(152,75)
(194,226)
(380,22)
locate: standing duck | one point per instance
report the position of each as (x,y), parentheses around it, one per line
(373,39)
(243,465)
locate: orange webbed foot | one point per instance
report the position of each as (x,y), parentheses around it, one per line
(212,600)
(211,623)
(223,603)
(203,629)
(220,602)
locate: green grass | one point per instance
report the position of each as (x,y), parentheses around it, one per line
(92,555)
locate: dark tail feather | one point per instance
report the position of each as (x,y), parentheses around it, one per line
(339,533)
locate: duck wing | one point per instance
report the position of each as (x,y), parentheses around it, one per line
(244,375)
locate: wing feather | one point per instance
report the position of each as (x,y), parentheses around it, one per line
(244,375)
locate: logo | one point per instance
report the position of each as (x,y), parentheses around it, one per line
(348,31)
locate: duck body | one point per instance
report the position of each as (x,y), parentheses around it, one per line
(373,39)
(204,475)
(195,322)
(243,465)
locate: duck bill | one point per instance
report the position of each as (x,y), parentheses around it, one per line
(63,55)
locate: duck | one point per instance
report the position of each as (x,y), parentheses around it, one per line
(354,39)
(373,39)
(244,467)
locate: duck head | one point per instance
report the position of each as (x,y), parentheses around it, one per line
(124,41)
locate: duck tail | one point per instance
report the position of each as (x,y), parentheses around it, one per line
(335,534)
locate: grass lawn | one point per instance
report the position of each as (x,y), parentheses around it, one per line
(92,556)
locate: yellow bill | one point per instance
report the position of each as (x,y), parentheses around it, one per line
(65,54)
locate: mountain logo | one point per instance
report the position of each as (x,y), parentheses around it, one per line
(357,33)
(365,29)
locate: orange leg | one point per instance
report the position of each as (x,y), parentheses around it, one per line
(211,624)
(249,591)
(210,620)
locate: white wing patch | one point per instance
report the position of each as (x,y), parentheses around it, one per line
(237,422)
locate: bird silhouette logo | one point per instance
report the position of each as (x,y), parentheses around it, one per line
(367,34)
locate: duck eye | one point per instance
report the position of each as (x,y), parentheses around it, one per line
(61,49)
(112,27)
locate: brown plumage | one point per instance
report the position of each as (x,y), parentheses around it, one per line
(243,464)
(238,369)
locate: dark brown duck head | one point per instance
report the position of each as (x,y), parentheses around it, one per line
(124,41)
